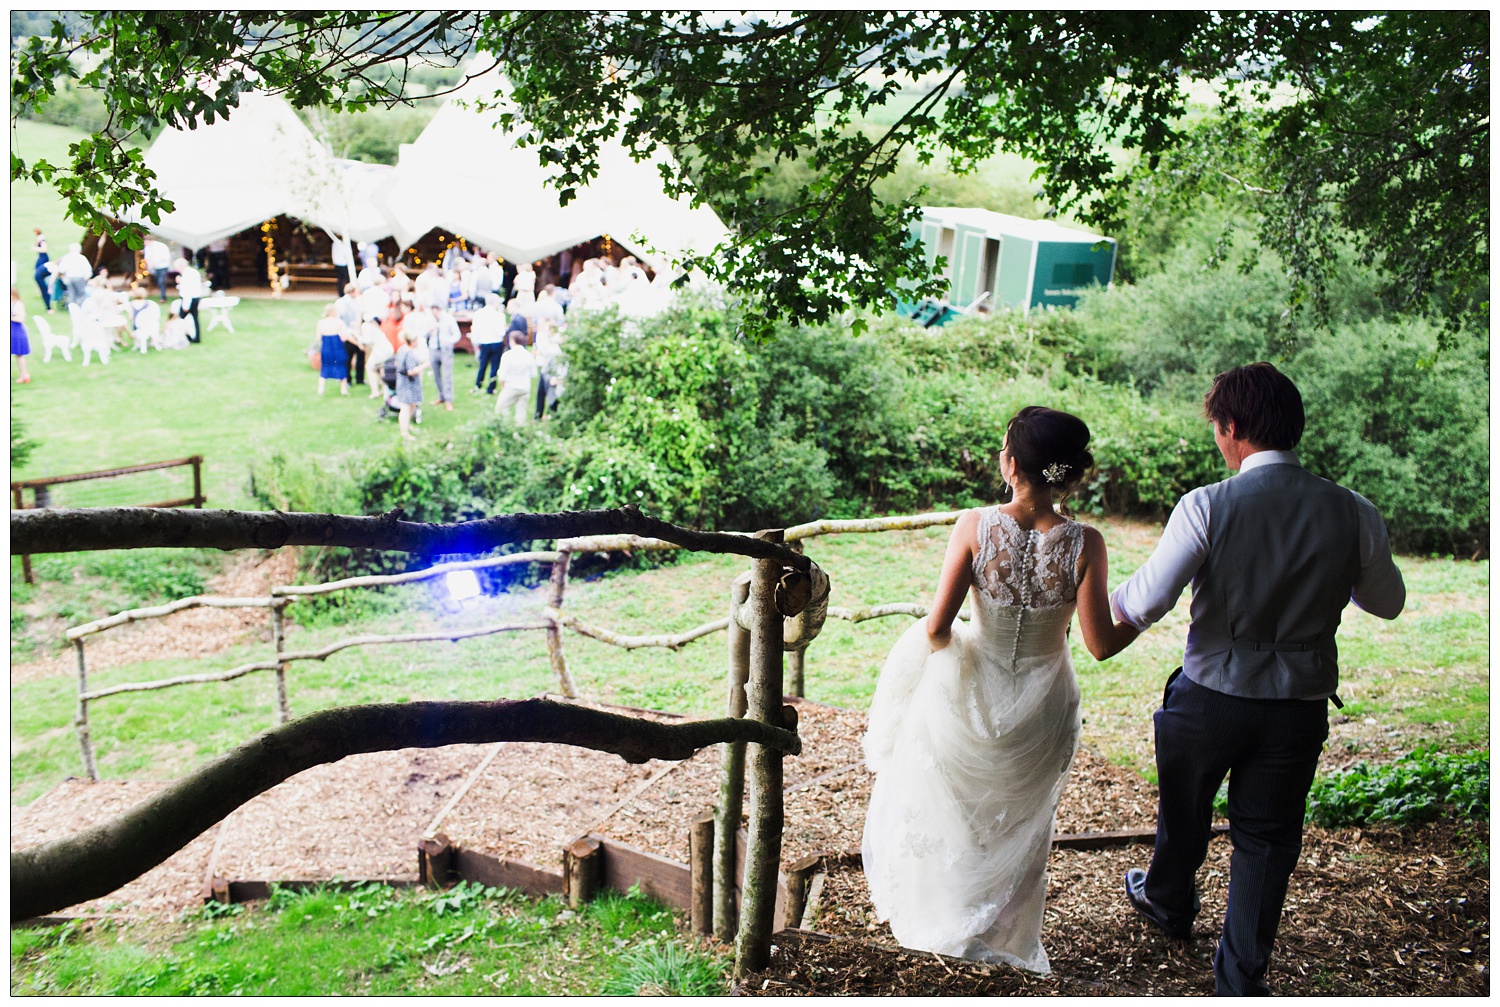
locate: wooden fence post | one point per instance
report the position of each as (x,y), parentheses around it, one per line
(435,861)
(278,637)
(763,846)
(554,631)
(25,559)
(701,870)
(81,721)
(796,659)
(731,770)
(197,461)
(583,869)
(798,876)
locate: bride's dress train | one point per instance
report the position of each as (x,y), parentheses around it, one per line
(971,747)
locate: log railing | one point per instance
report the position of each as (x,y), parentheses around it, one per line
(99,860)
(552,619)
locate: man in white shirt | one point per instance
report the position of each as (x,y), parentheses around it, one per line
(497,279)
(548,353)
(351,312)
(158,259)
(343,261)
(517,368)
(487,333)
(1274,555)
(76,271)
(427,279)
(375,300)
(190,289)
(546,308)
(445,335)
(370,276)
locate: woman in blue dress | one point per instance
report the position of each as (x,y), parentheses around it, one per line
(335,360)
(20,346)
(40,272)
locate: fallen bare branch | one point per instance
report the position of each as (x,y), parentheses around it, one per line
(672,641)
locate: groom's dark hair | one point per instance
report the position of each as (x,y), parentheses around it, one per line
(1263,404)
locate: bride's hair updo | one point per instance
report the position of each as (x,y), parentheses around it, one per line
(1049,447)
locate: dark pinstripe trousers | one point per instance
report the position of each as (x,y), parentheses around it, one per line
(1269,748)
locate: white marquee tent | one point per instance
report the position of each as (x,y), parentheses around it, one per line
(467,177)
(461,175)
(259,162)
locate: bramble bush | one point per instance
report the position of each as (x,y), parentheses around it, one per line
(1415,788)
(1387,415)
(681,417)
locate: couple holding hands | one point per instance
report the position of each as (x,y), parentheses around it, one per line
(974,725)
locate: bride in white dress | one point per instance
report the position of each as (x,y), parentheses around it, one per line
(974,725)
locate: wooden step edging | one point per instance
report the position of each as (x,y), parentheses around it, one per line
(620,867)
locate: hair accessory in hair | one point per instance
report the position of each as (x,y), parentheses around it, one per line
(1055,473)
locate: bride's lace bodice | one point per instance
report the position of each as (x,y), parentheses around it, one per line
(1025,583)
(1026,569)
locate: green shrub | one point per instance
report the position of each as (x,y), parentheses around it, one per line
(1415,788)
(1387,416)
(1408,431)
(666,969)
(678,416)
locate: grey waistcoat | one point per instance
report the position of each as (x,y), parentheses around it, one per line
(1283,554)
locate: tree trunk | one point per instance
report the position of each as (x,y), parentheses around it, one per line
(763,849)
(81,530)
(555,654)
(728,812)
(96,861)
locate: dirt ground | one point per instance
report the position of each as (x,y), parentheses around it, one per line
(196,632)
(1369,913)
(1373,912)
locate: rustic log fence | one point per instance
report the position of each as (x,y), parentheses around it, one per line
(552,619)
(41,490)
(100,859)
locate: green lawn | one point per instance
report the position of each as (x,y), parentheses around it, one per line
(232,398)
(38,206)
(1423,676)
(375,941)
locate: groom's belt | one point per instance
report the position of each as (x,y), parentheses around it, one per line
(1256,645)
(1205,644)
(1208,642)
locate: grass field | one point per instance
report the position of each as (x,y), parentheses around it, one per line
(375,941)
(1421,677)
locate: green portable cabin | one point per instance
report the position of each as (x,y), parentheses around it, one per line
(996,259)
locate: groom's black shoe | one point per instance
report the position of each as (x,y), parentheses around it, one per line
(1135,891)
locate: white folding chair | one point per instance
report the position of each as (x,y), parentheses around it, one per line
(51,340)
(90,335)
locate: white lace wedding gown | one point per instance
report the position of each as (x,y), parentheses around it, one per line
(971,747)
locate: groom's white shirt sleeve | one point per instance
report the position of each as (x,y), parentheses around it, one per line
(1153,590)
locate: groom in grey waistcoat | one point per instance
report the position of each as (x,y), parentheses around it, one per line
(1273,555)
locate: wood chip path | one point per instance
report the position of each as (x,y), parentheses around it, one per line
(362,817)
